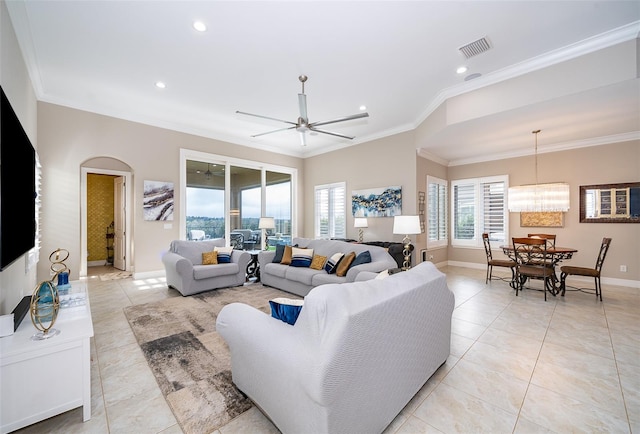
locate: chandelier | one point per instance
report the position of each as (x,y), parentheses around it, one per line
(553,197)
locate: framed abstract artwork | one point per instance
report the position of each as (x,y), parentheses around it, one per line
(377,202)
(158,200)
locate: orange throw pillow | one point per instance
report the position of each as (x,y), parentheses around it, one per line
(287,255)
(210,258)
(343,266)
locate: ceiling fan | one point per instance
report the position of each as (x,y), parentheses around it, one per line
(303,125)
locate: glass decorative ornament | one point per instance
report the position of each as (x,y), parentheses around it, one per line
(45,304)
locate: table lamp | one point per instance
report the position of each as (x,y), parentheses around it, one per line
(264,224)
(360,222)
(407,225)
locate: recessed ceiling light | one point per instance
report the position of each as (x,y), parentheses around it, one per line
(461,70)
(160,85)
(363,107)
(199,26)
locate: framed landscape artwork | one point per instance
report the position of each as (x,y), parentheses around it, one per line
(158,200)
(377,202)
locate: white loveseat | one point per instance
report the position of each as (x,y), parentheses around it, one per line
(356,355)
(300,281)
(185,272)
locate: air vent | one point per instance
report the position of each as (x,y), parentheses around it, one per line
(475,48)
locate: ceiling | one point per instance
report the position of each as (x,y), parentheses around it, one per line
(398,58)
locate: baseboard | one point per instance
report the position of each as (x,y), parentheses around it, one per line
(605,280)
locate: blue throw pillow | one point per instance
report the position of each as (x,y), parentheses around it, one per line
(332,263)
(362,258)
(279,252)
(286,309)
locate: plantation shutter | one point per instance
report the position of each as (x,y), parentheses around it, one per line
(330,211)
(437,231)
(464,211)
(493,219)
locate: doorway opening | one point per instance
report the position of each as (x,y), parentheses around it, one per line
(106,210)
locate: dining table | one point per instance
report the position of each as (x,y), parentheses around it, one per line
(557,255)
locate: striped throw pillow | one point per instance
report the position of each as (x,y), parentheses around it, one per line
(332,263)
(224,254)
(301,257)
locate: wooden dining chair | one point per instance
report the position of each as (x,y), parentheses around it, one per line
(551,239)
(506,263)
(532,259)
(567,270)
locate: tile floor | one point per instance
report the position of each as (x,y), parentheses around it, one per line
(517,365)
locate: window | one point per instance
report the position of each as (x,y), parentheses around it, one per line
(478,206)
(330,211)
(437,229)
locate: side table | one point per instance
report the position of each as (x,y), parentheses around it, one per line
(40,379)
(253,267)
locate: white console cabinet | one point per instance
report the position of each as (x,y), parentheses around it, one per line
(40,379)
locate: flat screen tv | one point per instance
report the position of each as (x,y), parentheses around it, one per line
(17,187)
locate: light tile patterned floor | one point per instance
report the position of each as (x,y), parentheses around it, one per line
(517,365)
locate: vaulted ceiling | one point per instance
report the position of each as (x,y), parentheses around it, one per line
(397,58)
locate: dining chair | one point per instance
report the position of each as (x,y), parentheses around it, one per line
(551,239)
(567,270)
(507,263)
(532,263)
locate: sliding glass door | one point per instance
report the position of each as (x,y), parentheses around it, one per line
(225,199)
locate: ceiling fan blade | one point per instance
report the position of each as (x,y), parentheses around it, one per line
(274,131)
(303,138)
(265,117)
(346,118)
(302,102)
(330,133)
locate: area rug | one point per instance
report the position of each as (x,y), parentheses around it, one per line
(115,276)
(190,360)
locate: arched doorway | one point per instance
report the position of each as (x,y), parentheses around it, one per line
(106,215)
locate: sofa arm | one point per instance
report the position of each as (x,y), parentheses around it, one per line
(181,265)
(267,354)
(374,267)
(266,256)
(241,258)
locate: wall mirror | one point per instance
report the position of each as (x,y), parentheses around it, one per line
(610,203)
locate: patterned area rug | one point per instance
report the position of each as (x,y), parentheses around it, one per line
(190,361)
(115,276)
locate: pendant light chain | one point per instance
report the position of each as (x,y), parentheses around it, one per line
(536,153)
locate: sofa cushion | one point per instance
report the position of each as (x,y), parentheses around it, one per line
(333,263)
(206,271)
(324,278)
(302,274)
(224,254)
(210,258)
(277,270)
(318,261)
(286,309)
(345,263)
(286,257)
(301,257)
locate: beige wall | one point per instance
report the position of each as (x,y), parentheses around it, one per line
(379,163)
(14,281)
(70,137)
(619,162)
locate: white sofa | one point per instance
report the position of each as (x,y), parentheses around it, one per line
(300,281)
(356,355)
(185,272)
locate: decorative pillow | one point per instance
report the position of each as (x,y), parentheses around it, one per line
(362,258)
(318,262)
(382,274)
(210,258)
(279,252)
(224,254)
(286,256)
(286,309)
(301,257)
(332,263)
(343,266)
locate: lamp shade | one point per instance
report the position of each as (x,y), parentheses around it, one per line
(406,224)
(266,223)
(539,198)
(360,222)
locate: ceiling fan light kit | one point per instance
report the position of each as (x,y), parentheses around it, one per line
(302,125)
